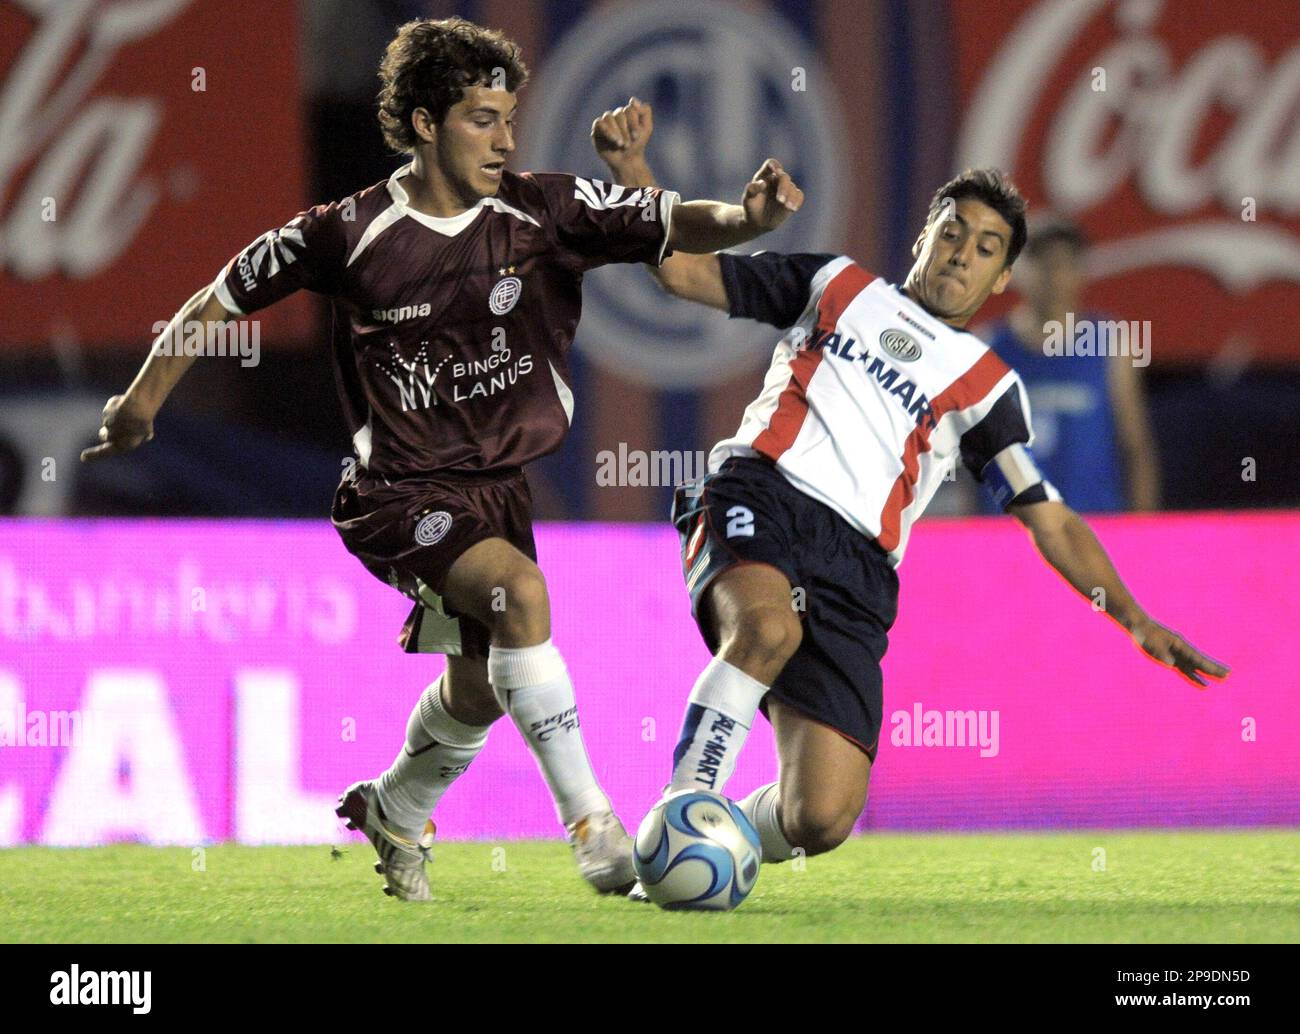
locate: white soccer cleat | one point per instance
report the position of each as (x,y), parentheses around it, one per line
(637,893)
(401,861)
(603,851)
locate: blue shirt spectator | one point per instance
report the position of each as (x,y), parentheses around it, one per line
(1093,436)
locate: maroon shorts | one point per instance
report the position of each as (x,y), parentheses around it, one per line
(409,534)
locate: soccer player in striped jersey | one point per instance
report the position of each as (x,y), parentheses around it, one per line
(456,290)
(790,543)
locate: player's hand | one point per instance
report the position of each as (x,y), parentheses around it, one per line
(621,135)
(1168,647)
(125,428)
(770,197)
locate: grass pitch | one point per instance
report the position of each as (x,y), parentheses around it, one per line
(1075,887)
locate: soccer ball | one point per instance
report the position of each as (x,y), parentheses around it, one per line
(696,849)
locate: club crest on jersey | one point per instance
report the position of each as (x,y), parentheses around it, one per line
(901,345)
(505,295)
(433,528)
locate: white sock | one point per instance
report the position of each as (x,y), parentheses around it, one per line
(718,717)
(532,685)
(438,748)
(761,809)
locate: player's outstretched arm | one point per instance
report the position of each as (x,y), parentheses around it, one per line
(769,199)
(620,139)
(128,418)
(1068,544)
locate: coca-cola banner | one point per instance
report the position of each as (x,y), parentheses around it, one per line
(1171,132)
(142,144)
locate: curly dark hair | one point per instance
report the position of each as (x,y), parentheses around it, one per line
(998,192)
(430,63)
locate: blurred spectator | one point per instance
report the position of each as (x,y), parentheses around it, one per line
(1093,435)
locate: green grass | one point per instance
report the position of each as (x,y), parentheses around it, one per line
(1181,886)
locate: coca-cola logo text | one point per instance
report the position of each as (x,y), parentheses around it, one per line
(1133,118)
(82,201)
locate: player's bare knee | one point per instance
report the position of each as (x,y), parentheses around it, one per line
(815,840)
(815,826)
(524,594)
(521,607)
(769,635)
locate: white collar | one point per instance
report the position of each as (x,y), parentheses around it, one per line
(447,225)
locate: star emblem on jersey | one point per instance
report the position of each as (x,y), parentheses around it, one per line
(505,294)
(901,345)
(433,528)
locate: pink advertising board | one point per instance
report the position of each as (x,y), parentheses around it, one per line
(194,681)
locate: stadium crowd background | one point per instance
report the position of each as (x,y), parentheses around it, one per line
(871,103)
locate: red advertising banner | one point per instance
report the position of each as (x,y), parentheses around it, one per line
(1171,132)
(142,144)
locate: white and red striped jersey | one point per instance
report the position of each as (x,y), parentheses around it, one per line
(870,400)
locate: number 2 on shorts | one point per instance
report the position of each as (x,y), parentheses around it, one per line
(741,522)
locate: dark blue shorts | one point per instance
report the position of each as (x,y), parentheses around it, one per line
(845,590)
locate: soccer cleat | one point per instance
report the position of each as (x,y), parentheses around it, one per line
(603,851)
(401,861)
(637,893)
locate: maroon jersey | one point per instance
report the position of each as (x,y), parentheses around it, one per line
(451,335)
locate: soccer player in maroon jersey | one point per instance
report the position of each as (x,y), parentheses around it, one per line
(456,288)
(794,499)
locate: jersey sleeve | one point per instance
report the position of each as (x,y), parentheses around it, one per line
(769,286)
(996,451)
(596,223)
(309,252)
